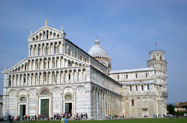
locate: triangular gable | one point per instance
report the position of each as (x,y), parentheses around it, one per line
(19,64)
(46,33)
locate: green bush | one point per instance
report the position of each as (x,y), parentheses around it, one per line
(181,113)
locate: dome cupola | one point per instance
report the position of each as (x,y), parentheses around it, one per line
(99,53)
(97,50)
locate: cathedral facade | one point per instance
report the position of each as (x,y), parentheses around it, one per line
(59,77)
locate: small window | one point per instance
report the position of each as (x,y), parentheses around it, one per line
(69,76)
(45,77)
(68,97)
(68,51)
(146,75)
(22,99)
(132,102)
(154,57)
(147,87)
(9,84)
(55,49)
(80,57)
(44,92)
(130,88)
(118,77)
(142,88)
(136,75)
(126,76)
(24,80)
(136,87)
(69,63)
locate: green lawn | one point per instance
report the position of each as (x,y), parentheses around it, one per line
(163,120)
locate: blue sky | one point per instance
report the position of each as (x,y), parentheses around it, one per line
(127,29)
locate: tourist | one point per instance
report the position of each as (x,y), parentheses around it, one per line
(62,120)
(39,117)
(43,116)
(81,115)
(65,120)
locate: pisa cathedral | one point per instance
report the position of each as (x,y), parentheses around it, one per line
(59,77)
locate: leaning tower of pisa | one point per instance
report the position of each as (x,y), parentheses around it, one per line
(158,62)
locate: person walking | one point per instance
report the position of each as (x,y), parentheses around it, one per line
(62,119)
(65,120)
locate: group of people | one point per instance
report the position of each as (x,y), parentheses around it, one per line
(80,116)
(114,116)
(25,117)
(59,116)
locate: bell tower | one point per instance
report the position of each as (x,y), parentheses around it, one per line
(158,62)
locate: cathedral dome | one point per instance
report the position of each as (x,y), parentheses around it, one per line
(99,53)
(97,50)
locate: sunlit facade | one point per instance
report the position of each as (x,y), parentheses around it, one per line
(59,77)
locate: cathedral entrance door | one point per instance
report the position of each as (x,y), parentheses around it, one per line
(45,108)
(22,110)
(68,107)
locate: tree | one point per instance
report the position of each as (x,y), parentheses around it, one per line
(170,108)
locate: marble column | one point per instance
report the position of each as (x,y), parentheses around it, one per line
(60,62)
(51,62)
(47,77)
(58,48)
(30,78)
(51,78)
(47,63)
(49,49)
(82,76)
(12,80)
(53,48)
(42,78)
(38,78)
(64,77)
(77,76)
(42,47)
(15,81)
(62,101)
(27,104)
(72,76)
(19,80)
(17,105)
(51,95)
(33,50)
(26,79)
(74,104)
(43,64)
(63,62)
(55,62)
(93,103)
(37,104)
(31,64)
(96,103)
(60,77)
